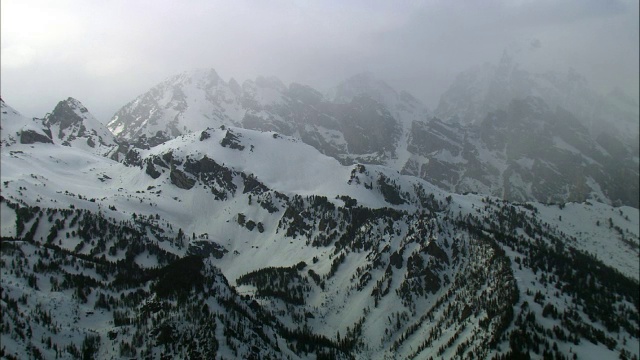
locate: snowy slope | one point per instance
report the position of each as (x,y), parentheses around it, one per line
(18,129)
(267,155)
(372,263)
(271,159)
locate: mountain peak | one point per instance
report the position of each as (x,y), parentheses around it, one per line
(235,87)
(203,78)
(67,113)
(71,124)
(75,103)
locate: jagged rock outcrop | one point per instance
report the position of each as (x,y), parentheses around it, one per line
(180,179)
(32,137)
(71,124)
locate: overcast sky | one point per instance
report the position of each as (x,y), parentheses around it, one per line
(105,53)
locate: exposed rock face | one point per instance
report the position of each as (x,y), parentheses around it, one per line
(151,170)
(67,114)
(179,179)
(31,137)
(205,249)
(230,140)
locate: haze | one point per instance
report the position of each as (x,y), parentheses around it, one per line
(105,53)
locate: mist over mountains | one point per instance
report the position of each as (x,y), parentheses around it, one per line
(218,219)
(498,130)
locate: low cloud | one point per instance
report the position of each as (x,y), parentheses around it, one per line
(106,53)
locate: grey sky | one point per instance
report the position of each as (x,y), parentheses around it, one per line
(105,53)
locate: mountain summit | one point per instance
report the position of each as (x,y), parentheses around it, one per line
(71,124)
(187,102)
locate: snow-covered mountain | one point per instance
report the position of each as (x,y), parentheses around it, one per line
(236,243)
(526,151)
(71,124)
(184,103)
(360,128)
(487,88)
(364,120)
